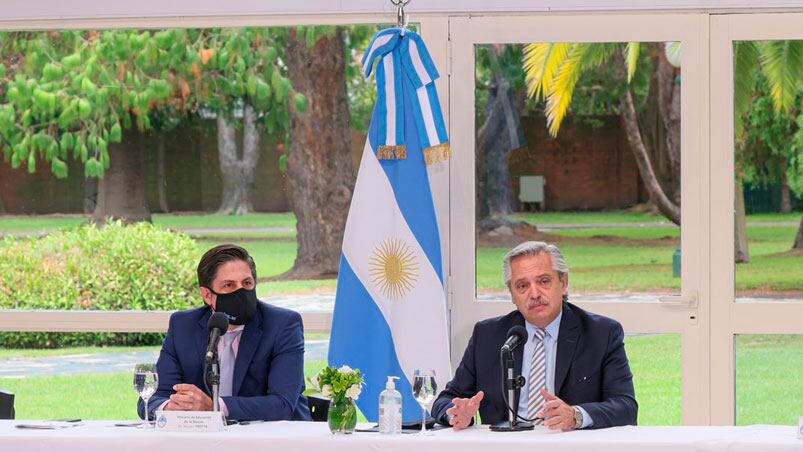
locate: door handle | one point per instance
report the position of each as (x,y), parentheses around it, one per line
(686,301)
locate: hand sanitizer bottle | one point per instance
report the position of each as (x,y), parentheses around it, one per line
(390,409)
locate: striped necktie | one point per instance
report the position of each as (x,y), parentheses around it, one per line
(537,379)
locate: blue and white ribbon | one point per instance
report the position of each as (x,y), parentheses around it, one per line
(405,66)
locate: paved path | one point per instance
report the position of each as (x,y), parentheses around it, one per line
(98,363)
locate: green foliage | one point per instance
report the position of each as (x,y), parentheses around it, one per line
(116,268)
(557,72)
(71,93)
(338,382)
(596,92)
(772,146)
(361,91)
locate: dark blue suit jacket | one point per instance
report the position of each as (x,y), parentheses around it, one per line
(591,369)
(268,373)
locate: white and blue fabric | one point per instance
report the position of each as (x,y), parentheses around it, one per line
(390,314)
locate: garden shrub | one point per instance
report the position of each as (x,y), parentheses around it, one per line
(116,267)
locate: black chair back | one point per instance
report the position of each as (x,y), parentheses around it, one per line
(318,408)
(6,404)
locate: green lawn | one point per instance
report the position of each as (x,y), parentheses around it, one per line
(255,220)
(47,222)
(601,259)
(588,217)
(767,368)
(88,396)
(547,218)
(38,352)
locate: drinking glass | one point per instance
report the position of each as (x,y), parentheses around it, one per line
(146,380)
(424,387)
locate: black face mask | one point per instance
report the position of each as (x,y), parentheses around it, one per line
(239,306)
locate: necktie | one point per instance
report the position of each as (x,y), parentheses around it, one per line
(227,360)
(537,379)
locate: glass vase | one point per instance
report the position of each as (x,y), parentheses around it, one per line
(342,417)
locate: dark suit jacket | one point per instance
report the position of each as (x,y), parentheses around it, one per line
(268,372)
(591,369)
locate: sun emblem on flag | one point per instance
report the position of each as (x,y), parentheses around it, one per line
(393,268)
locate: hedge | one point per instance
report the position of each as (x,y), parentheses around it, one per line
(116,267)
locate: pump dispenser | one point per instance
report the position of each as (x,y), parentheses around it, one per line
(390,409)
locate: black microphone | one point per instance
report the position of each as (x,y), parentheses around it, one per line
(515,336)
(218,324)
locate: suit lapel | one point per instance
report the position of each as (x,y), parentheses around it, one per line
(252,336)
(202,339)
(567,343)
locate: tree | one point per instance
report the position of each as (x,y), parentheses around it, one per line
(241,78)
(319,163)
(780,64)
(500,132)
(552,72)
(77,94)
(73,93)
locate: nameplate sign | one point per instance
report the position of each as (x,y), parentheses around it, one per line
(189,421)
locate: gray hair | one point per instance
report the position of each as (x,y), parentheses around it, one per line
(532,249)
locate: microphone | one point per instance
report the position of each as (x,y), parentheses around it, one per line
(515,336)
(218,324)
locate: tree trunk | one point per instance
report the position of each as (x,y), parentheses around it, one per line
(238,173)
(798,245)
(2,205)
(90,195)
(659,123)
(121,191)
(786,196)
(497,137)
(628,111)
(630,119)
(669,109)
(741,250)
(161,179)
(319,163)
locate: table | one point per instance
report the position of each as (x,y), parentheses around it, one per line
(103,436)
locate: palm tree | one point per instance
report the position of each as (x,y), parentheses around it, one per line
(552,71)
(781,63)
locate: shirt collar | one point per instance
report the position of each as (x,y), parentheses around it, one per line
(236,328)
(551,330)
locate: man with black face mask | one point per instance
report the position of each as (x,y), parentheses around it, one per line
(261,354)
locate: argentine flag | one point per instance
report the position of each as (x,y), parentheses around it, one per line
(390,314)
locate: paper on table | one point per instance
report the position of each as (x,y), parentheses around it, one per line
(48,425)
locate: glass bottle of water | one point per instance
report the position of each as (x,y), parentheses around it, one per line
(390,409)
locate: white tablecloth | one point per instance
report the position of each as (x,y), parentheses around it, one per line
(296,436)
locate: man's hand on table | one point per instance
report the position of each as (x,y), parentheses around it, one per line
(557,414)
(188,398)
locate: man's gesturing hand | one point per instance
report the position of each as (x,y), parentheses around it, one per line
(464,410)
(557,414)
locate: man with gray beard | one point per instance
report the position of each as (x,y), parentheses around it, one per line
(574,362)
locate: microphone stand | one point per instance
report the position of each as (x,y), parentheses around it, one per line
(512,383)
(213,377)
